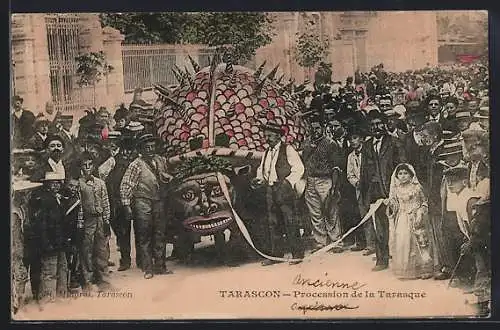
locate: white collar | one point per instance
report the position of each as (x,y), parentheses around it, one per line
(53,162)
(43,136)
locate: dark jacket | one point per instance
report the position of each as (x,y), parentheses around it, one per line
(412,154)
(48,226)
(45,167)
(22,128)
(377,169)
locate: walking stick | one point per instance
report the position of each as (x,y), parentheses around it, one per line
(454,270)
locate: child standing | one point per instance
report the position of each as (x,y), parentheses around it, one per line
(409,227)
(52,238)
(95,224)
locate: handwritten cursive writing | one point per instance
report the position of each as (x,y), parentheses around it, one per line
(320,307)
(322,283)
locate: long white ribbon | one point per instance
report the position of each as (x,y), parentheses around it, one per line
(241,225)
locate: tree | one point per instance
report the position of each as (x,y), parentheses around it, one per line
(239,34)
(311,49)
(243,32)
(91,68)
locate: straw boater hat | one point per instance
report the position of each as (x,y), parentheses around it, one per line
(54,176)
(19,185)
(483,113)
(135,127)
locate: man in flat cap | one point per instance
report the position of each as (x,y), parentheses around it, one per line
(140,194)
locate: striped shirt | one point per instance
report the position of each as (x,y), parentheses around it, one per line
(321,158)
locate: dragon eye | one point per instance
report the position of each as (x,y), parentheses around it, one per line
(188,195)
(216,191)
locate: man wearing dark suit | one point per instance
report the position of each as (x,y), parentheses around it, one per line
(53,162)
(380,155)
(280,170)
(22,123)
(349,215)
(413,145)
(64,122)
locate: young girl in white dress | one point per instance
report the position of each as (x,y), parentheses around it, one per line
(409,227)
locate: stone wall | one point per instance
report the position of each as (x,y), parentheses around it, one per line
(31,66)
(30,60)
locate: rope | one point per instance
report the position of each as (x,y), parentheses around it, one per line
(371,212)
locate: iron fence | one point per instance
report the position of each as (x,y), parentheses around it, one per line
(145,65)
(63,46)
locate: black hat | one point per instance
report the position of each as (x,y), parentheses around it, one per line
(418,117)
(17,98)
(145,138)
(53,137)
(459,172)
(121,113)
(273,127)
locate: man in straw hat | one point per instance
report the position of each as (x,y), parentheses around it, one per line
(280,170)
(474,226)
(48,235)
(19,254)
(140,194)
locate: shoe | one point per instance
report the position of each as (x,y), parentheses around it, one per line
(425,276)
(123,268)
(368,252)
(269,262)
(163,271)
(337,249)
(357,248)
(378,268)
(148,275)
(111,264)
(317,247)
(295,262)
(441,276)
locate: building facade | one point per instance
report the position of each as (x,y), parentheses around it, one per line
(400,40)
(43,51)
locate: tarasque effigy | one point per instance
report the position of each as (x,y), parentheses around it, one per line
(211,126)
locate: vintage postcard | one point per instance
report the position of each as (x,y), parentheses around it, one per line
(250,165)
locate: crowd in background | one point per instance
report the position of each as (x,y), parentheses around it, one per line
(417,140)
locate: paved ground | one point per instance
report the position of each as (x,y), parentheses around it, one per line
(195,292)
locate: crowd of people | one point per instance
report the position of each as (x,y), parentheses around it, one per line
(417,141)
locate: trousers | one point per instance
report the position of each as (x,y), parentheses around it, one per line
(53,277)
(151,225)
(324,218)
(122,229)
(94,252)
(381,225)
(283,224)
